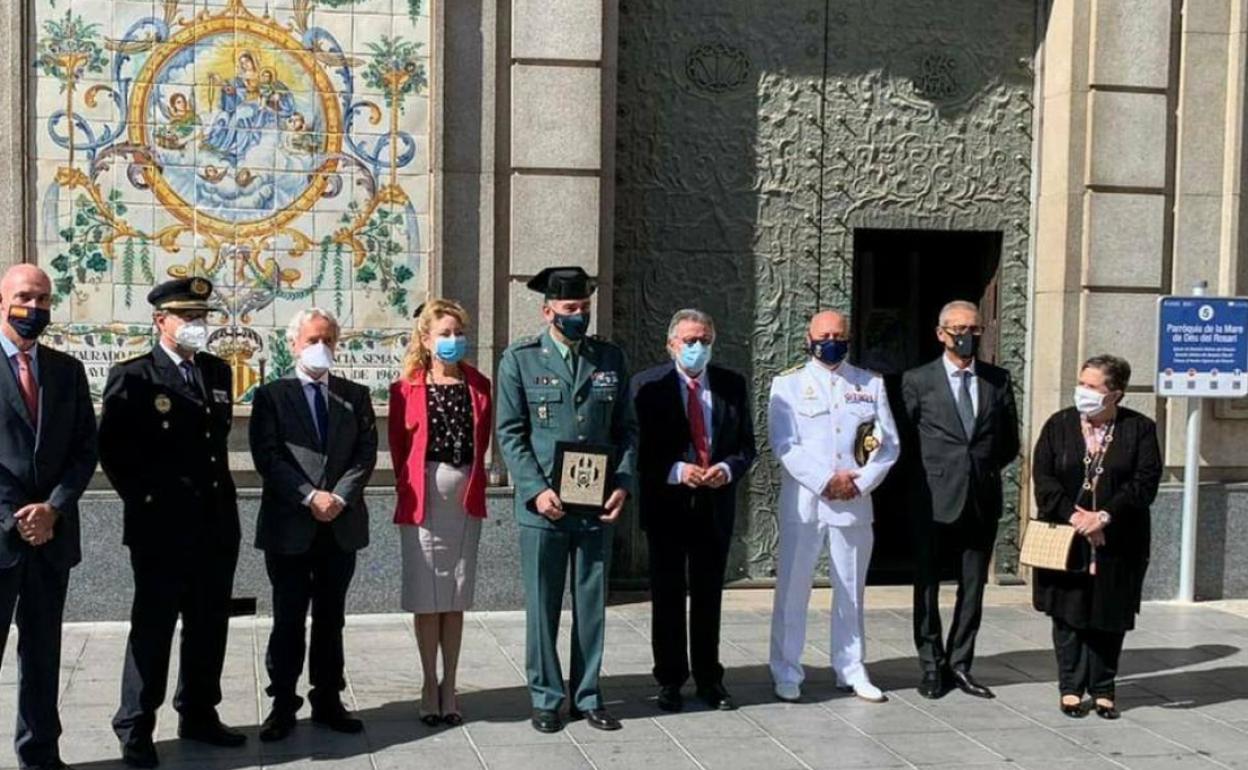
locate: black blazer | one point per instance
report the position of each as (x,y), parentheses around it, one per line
(1109,599)
(665,440)
(286,449)
(953,465)
(163,445)
(52,467)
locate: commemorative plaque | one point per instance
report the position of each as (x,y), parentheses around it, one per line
(584,475)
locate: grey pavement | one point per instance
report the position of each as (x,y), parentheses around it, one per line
(1184,692)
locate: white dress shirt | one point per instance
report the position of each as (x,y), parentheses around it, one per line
(675,475)
(955,375)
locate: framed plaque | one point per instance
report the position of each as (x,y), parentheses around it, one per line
(584,476)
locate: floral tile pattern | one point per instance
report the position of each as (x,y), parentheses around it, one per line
(279,148)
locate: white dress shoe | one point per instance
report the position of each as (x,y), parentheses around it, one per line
(865,690)
(789,693)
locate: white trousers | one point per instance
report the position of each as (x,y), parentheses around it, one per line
(849,551)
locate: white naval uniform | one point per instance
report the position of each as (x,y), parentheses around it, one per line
(813,418)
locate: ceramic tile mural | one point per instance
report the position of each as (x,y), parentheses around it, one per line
(277,147)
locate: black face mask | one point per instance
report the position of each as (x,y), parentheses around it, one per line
(965,345)
(29,322)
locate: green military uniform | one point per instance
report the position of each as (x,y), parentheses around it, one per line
(550,392)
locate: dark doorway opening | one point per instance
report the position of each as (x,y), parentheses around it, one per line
(901,280)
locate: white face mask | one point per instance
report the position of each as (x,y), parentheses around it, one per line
(317,359)
(192,335)
(1089,402)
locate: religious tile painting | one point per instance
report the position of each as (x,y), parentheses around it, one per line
(279,148)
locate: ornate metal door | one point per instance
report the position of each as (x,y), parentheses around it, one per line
(754,138)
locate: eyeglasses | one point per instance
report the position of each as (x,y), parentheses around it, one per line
(974,331)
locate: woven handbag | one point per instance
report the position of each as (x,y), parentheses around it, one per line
(1052,546)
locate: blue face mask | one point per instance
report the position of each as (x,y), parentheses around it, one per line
(450,349)
(573,325)
(830,352)
(694,357)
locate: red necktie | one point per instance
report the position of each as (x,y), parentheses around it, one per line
(30,391)
(697,426)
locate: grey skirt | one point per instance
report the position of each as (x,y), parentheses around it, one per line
(440,555)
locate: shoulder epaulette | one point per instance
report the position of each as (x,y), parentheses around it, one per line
(793,369)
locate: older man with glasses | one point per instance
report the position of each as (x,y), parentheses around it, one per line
(962,410)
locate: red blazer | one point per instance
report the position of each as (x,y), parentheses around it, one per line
(409,440)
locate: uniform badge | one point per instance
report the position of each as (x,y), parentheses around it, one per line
(220,396)
(543,412)
(809,393)
(163,404)
(200,287)
(871,443)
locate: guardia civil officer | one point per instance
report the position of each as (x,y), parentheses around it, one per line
(163,445)
(832,430)
(564,385)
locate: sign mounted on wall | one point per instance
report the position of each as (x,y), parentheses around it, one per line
(1202,347)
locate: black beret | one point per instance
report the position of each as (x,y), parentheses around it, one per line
(563,283)
(181,294)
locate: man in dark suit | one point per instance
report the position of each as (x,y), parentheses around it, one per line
(697,443)
(163,434)
(962,411)
(314,440)
(47,456)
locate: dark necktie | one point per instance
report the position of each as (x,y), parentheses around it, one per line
(188,374)
(26,381)
(321,410)
(697,426)
(966,409)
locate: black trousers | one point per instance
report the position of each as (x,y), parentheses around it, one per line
(1087,659)
(319,576)
(688,555)
(195,584)
(34,590)
(967,544)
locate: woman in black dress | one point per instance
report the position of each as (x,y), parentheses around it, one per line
(1097,467)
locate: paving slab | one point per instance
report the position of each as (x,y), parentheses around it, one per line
(1183,693)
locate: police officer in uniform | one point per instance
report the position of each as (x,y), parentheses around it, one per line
(163,436)
(564,386)
(833,433)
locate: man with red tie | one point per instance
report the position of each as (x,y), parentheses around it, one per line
(47,456)
(697,443)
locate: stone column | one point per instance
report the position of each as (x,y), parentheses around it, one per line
(13,140)
(1208,204)
(561,99)
(1103,246)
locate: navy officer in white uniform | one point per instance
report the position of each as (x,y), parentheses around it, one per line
(832,430)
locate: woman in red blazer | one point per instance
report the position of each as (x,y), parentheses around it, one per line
(439,433)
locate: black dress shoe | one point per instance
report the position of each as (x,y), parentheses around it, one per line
(599,719)
(967,684)
(1107,712)
(1073,710)
(336,718)
(211,732)
(546,721)
(140,752)
(717,698)
(932,686)
(277,725)
(670,698)
(55,764)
